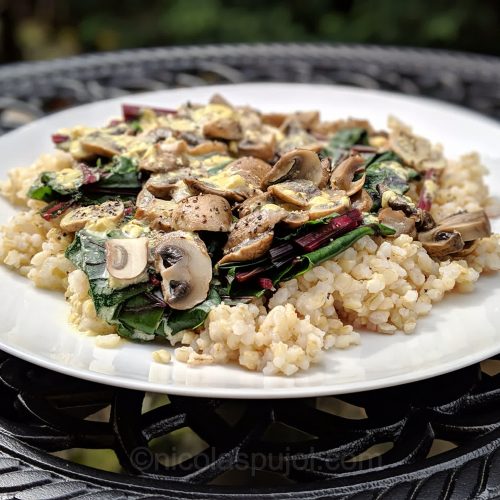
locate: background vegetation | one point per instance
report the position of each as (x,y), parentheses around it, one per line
(37,29)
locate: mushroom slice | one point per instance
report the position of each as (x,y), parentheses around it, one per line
(126,258)
(452,233)
(237,181)
(185,267)
(205,212)
(255,203)
(343,175)
(219,99)
(78,218)
(296,192)
(328,202)
(411,148)
(254,224)
(227,129)
(469,247)
(100,144)
(274,119)
(362,201)
(254,170)
(159,160)
(261,146)
(180,192)
(162,185)
(157,212)
(306,119)
(297,164)
(441,243)
(328,128)
(470,225)
(250,249)
(207,147)
(158,134)
(202,186)
(398,221)
(296,219)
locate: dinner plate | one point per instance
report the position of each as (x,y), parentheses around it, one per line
(461,330)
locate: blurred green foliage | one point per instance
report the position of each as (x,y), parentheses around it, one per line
(34,29)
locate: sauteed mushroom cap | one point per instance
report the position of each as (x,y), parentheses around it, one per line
(297,164)
(185,267)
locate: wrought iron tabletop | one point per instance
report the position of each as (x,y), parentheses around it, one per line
(309,448)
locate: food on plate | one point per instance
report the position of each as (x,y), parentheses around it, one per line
(261,239)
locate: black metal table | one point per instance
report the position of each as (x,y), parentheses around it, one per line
(438,438)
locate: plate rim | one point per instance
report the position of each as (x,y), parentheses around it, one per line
(244,392)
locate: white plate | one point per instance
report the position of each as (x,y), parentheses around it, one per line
(461,330)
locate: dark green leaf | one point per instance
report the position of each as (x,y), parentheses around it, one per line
(48,188)
(87,252)
(120,174)
(344,140)
(141,313)
(387,170)
(195,317)
(337,246)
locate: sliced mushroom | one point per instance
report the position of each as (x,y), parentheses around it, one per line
(343,175)
(205,212)
(452,233)
(470,225)
(298,164)
(207,147)
(126,258)
(329,128)
(254,170)
(362,201)
(261,146)
(180,192)
(253,224)
(162,185)
(274,119)
(157,212)
(296,192)
(219,99)
(159,160)
(185,267)
(469,247)
(227,129)
(100,144)
(252,235)
(159,134)
(296,218)
(254,203)
(441,243)
(204,186)
(397,221)
(297,137)
(411,148)
(328,202)
(237,181)
(78,218)
(250,249)
(306,119)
